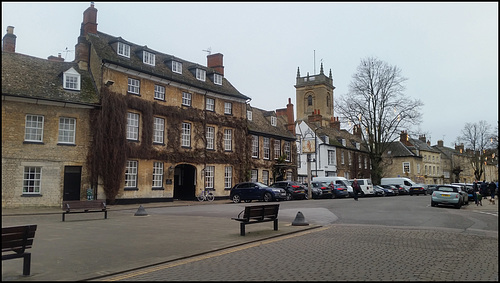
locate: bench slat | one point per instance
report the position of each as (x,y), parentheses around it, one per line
(257,214)
(16,240)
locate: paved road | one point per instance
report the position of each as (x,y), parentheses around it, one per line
(198,241)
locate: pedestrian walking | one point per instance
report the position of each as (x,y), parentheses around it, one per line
(484,189)
(475,191)
(356,189)
(493,189)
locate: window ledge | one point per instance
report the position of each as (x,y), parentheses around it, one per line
(31,195)
(131,189)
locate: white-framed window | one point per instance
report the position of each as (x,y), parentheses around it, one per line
(331,157)
(273,121)
(287,151)
(217,79)
(228,139)
(158,175)
(210,104)
(71,79)
(228,108)
(349,155)
(277,149)
(209,176)
(200,74)
(255,146)
(134,86)
(186,135)
(425,168)
(288,175)
(406,167)
(177,67)
(228,177)
(210,136)
(366,163)
(123,49)
(32,180)
(342,157)
(131,174)
(359,161)
(267,148)
(249,115)
(159,92)
(148,58)
(186,99)
(33,130)
(132,126)
(265,177)
(158,130)
(67,127)
(254,175)
(418,168)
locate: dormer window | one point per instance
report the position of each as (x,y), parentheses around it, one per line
(148,58)
(343,142)
(71,79)
(273,121)
(177,67)
(249,115)
(123,49)
(200,74)
(217,79)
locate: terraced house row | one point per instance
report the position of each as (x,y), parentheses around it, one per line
(127,123)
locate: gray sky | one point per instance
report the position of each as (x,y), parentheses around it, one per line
(448,51)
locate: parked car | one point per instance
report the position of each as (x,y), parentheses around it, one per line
(418,189)
(248,191)
(387,190)
(402,190)
(447,195)
(320,190)
(395,190)
(431,188)
(294,190)
(340,191)
(378,191)
(365,185)
(469,188)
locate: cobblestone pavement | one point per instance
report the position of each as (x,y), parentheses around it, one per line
(341,253)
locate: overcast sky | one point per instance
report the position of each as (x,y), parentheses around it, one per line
(448,51)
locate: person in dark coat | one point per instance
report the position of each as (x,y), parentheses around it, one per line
(493,187)
(484,189)
(356,189)
(475,190)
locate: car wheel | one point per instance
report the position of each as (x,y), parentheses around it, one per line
(433,204)
(236,199)
(288,196)
(458,205)
(268,197)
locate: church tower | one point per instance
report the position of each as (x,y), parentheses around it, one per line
(314,97)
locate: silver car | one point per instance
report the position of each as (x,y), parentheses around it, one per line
(447,195)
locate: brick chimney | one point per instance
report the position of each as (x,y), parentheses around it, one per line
(440,143)
(403,137)
(9,40)
(82,47)
(459,148)
(288,112)
(54,58)
(89,24)
(421,138)
(356,131)
(335,123)
(215,61)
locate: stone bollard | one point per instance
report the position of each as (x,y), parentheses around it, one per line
(299,220)
(141,212)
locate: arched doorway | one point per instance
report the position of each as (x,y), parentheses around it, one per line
(184,182)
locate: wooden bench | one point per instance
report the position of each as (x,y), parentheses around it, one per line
(15,241)
(258,214)
(84,206)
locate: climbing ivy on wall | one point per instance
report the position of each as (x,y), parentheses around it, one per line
(111,149)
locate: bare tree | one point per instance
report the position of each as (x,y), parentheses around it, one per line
(476,138)
(376,103)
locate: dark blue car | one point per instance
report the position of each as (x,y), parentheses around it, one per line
(248,191)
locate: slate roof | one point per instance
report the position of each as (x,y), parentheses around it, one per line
(261,124)
(398,149)
(31,77)
(103,42)
(335,137)
(421,145)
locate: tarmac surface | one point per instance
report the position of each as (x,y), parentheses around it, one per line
(88,247)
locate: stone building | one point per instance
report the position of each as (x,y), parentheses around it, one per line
(46,106)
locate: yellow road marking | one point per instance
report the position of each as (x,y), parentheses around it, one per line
(210,255)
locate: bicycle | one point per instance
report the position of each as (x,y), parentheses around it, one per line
(206,195)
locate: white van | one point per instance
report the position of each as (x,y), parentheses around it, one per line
(336,180)
(403,182)
(365,185)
